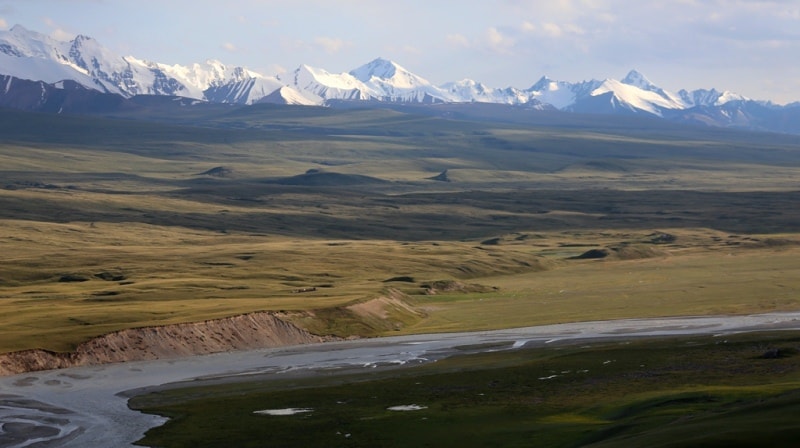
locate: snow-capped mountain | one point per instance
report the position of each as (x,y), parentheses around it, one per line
(394,83)
(635,98)
(561,94)
(30,55)
(327,86)
(468,90)
(712,97)
(379,80)
(83,65)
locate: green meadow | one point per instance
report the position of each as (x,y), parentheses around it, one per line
(675,392)
(370,222)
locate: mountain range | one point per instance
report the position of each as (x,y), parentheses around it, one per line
(40,73)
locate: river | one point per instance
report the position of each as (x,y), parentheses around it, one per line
(87,406)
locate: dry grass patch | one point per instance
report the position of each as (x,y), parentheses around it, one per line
(65,283)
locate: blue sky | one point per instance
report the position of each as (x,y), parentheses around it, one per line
(750,47)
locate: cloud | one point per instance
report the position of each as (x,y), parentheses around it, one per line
(528,27)
(552,30)
(229,47)
(330,44)
(293,45)
(3,23)
(57,32)
(277,69)
(405,49)
(457,40)
(410,49)
(62,35)
(499,42)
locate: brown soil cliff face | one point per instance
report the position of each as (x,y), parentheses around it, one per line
(249,331)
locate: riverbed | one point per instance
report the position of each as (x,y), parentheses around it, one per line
(87,406)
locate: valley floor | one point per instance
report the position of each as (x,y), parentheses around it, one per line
(87,406)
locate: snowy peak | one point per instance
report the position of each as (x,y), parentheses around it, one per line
(379,80)
(30,55)
(377,68)
(385,71)
(636,79)
(84,62)
(289,96)
(545,83)
(390,82)
(468,91)
(323,84)
(21,42)
(467,88)
(706,97)
(636,93)
(633,98)
(560,94)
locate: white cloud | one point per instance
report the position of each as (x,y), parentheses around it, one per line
(571,28)
(230,47)
(458,40)
(330,44)
(528,27)
(277,69)
(606,17)
(499,42)
(552,30)
(408,49)
(293,45)
(58,32)
(3,23)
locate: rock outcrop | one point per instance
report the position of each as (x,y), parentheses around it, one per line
(248,331)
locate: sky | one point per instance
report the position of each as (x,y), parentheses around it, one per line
(750,47)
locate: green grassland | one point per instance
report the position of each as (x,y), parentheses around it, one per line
(675,392)
(454,218)
(118,222)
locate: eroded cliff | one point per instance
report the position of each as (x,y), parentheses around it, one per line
(249,331)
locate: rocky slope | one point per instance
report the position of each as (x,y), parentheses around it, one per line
(249,331)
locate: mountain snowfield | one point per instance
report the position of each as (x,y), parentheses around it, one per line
(28,55)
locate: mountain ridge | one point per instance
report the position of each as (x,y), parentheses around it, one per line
(32,56)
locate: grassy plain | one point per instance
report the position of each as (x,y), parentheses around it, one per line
(110,223)
(158,215)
